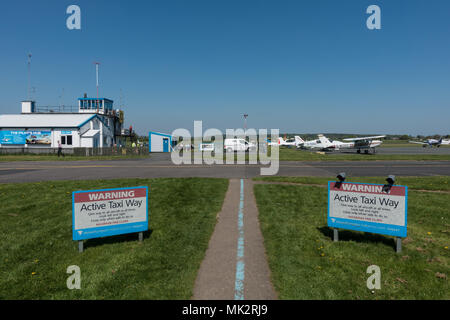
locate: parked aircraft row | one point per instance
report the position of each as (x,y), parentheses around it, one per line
(365,144)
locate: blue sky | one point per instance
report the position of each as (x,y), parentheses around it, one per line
(299,66)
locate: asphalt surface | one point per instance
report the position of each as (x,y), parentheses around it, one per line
(410,150)
(161,166)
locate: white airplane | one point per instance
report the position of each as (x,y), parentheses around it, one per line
(365,143)
(290,142)
(321,144)
(432,142)
(324,144)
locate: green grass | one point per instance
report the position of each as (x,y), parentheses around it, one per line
(292,154)
(438,183)
(306,263)
(38,157)
(36,237)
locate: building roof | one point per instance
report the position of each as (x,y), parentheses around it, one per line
(37,120)
(90,133)
(160,134)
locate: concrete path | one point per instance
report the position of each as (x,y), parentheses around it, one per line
(235,265)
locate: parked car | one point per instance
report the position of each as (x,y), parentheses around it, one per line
(239,145)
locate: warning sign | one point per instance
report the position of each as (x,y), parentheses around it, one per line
(100,213)
(366,207)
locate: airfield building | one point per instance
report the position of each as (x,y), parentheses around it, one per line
(92,124)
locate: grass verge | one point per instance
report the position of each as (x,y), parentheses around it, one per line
(38,157)
(36,241)
(306,263)
(437,183)
(292,154)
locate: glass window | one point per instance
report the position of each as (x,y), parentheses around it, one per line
(66,140)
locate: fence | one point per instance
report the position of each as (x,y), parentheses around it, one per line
(88,152)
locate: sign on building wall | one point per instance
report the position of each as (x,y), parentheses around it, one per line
(25,137)
(366,207)
(108,212)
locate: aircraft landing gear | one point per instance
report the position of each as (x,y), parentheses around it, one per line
(358,151)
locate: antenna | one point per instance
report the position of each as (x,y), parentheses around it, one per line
(96,73)
(61,98)
(29,76)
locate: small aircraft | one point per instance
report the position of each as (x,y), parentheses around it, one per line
(365,143)
(290,142)
(321,144)
(324,144)
(432,142)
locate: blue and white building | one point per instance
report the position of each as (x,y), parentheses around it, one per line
(159,142)
(94,125)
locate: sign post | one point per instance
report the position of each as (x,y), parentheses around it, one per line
(108,212)
(335,235)
(368,208)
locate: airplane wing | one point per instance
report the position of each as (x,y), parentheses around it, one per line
(364,138)
(418,142)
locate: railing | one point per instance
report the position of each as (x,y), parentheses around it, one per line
(73,109)
(56,109)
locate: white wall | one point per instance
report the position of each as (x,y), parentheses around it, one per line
(156,143)
(77,140)
(87,142)
(58,132)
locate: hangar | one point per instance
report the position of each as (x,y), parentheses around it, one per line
(94,125)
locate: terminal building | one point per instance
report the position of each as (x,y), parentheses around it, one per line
(92,124)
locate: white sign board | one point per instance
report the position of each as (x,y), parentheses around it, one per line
(366,207)
(107,212)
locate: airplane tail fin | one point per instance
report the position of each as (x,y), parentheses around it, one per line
(298,140)
(324,139)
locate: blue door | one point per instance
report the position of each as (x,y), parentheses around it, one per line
(165,144)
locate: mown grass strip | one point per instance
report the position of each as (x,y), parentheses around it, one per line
(36,241)
(306,263)
(436,183)
(38,157)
